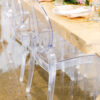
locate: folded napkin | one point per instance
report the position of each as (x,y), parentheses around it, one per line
(72,11)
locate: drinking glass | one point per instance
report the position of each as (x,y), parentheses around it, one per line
(96,5)
(59,2)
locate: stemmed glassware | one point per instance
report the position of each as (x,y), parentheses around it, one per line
(96,5)
(59,2)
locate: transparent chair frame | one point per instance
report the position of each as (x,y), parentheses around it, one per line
(23,34)
(20,29)
(44,44)
(8,14)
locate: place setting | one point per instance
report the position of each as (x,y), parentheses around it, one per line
(78,9)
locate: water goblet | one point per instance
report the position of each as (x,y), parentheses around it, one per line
(96,5)
(59,2)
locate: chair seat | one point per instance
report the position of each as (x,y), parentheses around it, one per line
(69,51)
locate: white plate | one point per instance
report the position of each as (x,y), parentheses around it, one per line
(72,11)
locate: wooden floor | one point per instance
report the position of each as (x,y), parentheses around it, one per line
(12,89)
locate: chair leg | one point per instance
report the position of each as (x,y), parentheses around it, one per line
(52,76)
(30,76)
(23,67)
(51,85)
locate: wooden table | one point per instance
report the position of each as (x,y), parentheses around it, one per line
(83,34)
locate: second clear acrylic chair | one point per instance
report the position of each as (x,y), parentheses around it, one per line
(18,30)
(53,53)
(23,30)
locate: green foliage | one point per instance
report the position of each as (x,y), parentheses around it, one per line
(87,2)
(71,1)
(75,1)
(99,13)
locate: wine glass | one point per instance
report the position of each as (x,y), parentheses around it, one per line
(96,5)
(59,2)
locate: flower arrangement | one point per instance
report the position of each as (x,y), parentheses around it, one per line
(77,1)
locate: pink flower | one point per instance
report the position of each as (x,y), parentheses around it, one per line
(80,1)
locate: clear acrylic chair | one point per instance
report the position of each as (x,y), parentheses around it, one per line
(52,52)
(23,30)
(84,71)
(10,9)
(7,13)
(24,33)
(19,28)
